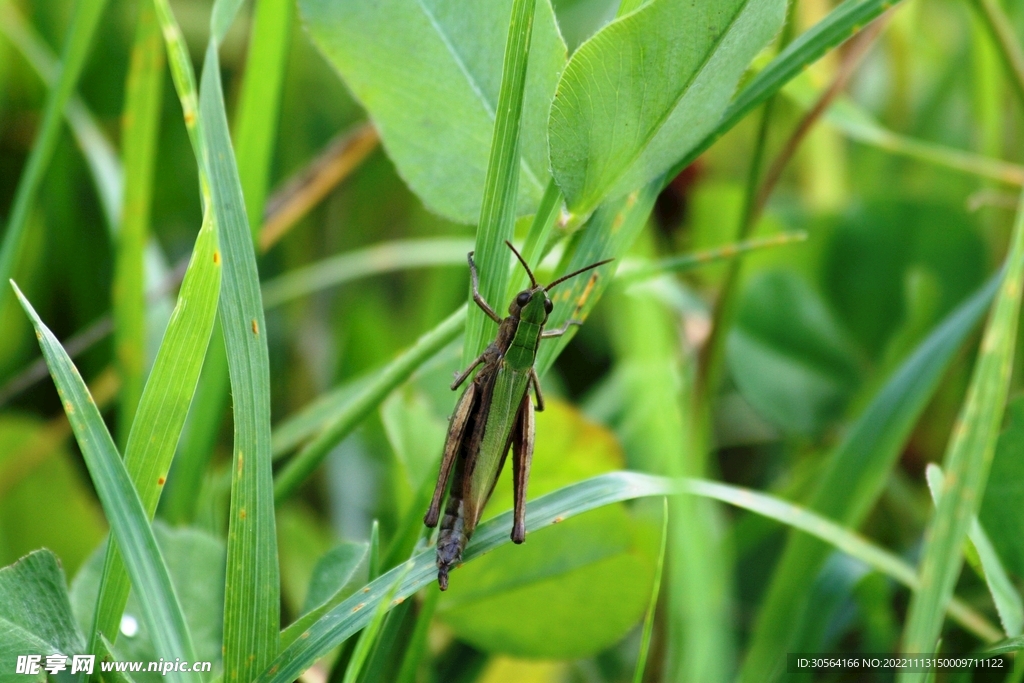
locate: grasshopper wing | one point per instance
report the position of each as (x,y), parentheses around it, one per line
(522,458)
(456,430)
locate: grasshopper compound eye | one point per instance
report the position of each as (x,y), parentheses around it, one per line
(523,299)
(548,305)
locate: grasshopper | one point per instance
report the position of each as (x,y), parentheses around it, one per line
(493,413)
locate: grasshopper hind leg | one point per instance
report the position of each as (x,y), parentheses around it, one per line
(522,458)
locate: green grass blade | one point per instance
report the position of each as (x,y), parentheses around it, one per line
(252,604)
(1000,586)
(837,27)
(84,20)
(369,635)
(160,610)
(968,457)
(199,436)
(380,258)
(139,138)
(367,400)
(634,272)
(260,102)
(501,186)
(537,238)
(648,630)
(100,154)
(853,477)
(163,408)
(355,613)
(417,647)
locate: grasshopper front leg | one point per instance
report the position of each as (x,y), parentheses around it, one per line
(456,430)
(460,378)
(549,334)
(477,297)
(522,457)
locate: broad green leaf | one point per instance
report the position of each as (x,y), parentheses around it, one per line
(790,358)
(43,500)
(84,20)
(35,614)
(648,88)
(141,128)
(572,590)
(1004,496)
(968,456)
(447,55)
(1004,594)
(195,561)
(354,613)
(164,407)
(128,520)
(841,24)
(853,477)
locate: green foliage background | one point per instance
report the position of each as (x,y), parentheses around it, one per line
(813,207)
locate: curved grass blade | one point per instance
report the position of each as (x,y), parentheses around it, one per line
(853,478)
(969,456)
(354,613)
(630,273)
(369,635)
(1004,594)
(385,257)
(355,410)
(141,125)
(160,610)
(648,630)
(84,20)
(836,28)
(501,185)
(163,408)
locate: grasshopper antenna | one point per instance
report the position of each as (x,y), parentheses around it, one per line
(529,272)
(575,273)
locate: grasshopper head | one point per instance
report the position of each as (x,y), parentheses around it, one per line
(533,304)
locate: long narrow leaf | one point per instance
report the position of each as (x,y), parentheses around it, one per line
(354,613)
(163,408)
(261,101)
(83,25)
(160,608)
(142,120)
(1000,586)
(968,457)
(252,609)
(501,186)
